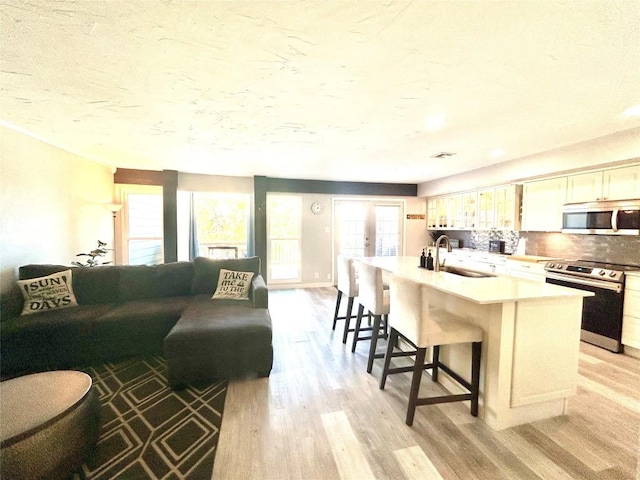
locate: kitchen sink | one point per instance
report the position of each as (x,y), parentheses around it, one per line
(463,272)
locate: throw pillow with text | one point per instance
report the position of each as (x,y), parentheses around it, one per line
(233,285)
(47,293)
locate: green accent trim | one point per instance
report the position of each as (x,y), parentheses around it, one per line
(291,185)
(170,214)
(260,221)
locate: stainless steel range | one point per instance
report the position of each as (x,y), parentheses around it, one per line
(602,313)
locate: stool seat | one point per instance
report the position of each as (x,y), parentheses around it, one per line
(423,325)
(347,284)
(377,301)
(436,326)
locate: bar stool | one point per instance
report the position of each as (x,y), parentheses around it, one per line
(373,297)
(423,326)
(347,285)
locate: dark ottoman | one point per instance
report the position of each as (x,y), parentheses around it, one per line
(50,421)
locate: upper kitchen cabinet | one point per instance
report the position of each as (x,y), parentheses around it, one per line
(507,207)
(469,209)
(438,212)
(613,184)
(462,211)
(486,209)
(497,207)
(542,204)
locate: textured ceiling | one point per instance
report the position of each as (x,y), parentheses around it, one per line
(318,90)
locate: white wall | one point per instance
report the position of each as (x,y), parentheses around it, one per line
(192,182)
(416,235)
(51,204)
(619,148)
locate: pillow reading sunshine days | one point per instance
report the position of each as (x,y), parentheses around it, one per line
(233,285)
(47,293)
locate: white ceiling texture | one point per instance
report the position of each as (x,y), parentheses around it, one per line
(334,90)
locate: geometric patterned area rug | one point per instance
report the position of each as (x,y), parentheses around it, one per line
(148,430)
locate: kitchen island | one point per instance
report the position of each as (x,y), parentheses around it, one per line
(531,339)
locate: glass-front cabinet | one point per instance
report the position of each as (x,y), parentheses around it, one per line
(438,212)
(507,207)
(456,203)
(486,209)
(469,206)
(497,207)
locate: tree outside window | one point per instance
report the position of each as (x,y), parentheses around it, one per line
(222,220)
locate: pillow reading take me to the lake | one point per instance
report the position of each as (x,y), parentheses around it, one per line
(47,293)
(233,285)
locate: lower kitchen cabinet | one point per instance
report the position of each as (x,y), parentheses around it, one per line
(527,270)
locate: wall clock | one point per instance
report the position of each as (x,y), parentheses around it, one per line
(316,207)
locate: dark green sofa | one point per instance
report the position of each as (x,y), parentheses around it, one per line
(128,311)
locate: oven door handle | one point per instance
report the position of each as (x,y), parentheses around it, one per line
(616,287)
(614,220)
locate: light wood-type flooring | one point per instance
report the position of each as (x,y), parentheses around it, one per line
(321,416)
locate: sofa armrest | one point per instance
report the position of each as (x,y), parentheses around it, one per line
(259,292)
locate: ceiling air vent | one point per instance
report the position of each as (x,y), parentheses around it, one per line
(443,155)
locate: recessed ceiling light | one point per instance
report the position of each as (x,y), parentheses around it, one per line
(496,152)
(632,111)
(434,123)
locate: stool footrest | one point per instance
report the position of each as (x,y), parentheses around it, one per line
(400,370)
(443,399)
(453,374)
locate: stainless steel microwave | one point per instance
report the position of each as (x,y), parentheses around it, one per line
(602,218)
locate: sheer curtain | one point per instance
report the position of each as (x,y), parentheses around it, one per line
(194,247)
(251,234)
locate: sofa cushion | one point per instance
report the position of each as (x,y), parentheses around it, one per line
(48,340)
(233,285)
(46,293)
(92,285)
(139,282)
(209,325)
(141,317)
(206,271)
(136,327)
(11,302)
(54,321)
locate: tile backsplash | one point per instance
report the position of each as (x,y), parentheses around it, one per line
(621,249)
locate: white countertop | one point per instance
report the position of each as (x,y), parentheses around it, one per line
(497,289)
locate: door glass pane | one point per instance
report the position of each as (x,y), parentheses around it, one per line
(351,228)
(387,230)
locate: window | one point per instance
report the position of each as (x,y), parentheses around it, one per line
(142,230)
(222,222)
(284,226)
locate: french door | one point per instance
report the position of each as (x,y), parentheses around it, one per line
(368,228)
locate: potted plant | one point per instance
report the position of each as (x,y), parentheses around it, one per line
(93,255)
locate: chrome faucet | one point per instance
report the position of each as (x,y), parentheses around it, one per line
(437,259)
